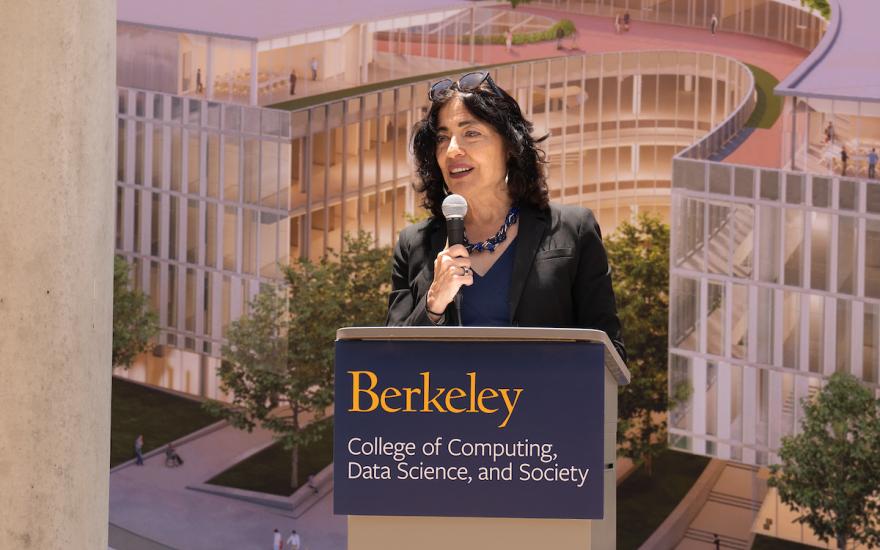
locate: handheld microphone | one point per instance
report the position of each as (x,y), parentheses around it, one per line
(454,209)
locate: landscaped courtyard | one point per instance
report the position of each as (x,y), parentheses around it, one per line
(269,471)
(159,416)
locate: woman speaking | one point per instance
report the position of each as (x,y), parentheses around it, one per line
(524,262)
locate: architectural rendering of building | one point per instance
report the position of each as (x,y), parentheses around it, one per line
(775,274)
(225,174)
(214,195)
(204,49)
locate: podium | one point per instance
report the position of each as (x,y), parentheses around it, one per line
(471,437)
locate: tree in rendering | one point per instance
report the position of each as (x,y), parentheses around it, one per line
(830,472)
(278,363)
(639,255)
(515,3)
(134,323)
(819,5)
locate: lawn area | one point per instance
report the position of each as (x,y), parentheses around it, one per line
(159,416)
(644,502)
(269,470)
(769,106)
(771,543)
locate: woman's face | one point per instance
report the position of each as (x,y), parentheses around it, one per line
(470,152)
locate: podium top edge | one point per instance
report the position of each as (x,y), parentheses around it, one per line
(470,333)
(489,334)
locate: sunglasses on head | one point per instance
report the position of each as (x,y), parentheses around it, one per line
(467,83)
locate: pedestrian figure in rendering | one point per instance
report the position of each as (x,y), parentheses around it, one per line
(626,21)
(139,450)
(199,86)
(560,34)
(277,541)
(311,485)
(829,133)
(617,23)
(872,163)
(716,540)
(172,459)
(713,23)
(844,157)
(292,81)
(294,541)
(508,40)
(313,64)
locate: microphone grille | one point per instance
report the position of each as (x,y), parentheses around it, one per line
(454,206)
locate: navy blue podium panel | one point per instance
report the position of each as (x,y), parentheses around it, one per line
(469,429)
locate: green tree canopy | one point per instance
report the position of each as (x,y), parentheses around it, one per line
(830,472)
(819,5)
(134,324)
(639,255)
(278,363)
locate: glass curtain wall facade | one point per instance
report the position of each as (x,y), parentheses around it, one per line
(382,50)
(774,286)
(784,22)
(213,196)
(810,145)
(257,72)
(396,47)
(774,281)
(184,63)
(203,194)
(614,122)
(448,35)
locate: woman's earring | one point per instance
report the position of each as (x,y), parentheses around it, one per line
(505,177)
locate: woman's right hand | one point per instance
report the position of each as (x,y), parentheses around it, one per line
(452,270)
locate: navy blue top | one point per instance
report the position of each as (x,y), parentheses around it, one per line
(484,303)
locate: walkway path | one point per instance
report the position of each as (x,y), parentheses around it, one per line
(730,511)
(153,501)
(763,147)
(596,34)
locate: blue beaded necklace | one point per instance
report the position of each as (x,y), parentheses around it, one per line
(490,243)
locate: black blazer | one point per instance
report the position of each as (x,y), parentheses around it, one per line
(560,274)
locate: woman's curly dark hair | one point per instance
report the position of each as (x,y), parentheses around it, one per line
(526,180)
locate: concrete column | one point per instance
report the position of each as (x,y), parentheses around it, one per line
(57,194)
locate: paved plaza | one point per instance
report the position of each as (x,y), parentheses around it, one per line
(153,501)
